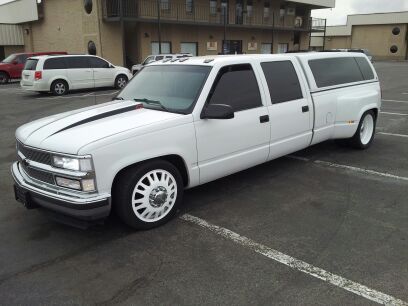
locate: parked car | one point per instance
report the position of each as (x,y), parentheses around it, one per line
(154,58)
(185,123)
(12,66)
(59,74)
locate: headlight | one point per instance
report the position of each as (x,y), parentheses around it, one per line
(71,163)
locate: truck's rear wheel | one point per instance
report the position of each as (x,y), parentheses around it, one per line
(148,195)
(364,135)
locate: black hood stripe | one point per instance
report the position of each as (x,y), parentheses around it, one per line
(97,117)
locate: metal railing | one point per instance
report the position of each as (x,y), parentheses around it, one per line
(184,12)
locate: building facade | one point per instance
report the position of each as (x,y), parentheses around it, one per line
(127,31)
(385,35)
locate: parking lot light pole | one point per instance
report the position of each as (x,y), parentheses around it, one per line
(158,25)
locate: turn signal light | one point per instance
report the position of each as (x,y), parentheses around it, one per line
(38,75)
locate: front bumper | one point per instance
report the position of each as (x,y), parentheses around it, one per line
(84,207)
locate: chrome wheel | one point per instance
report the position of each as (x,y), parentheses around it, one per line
(367,129)
(59,88)
(121,82)
(154,195)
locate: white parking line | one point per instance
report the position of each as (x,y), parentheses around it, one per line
(296,264)
(391,134)
(352,168)
(396,114)
(396,101)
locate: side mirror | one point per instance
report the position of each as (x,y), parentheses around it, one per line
(14,62)
(217,111)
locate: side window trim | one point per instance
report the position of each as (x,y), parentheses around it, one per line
(218,77)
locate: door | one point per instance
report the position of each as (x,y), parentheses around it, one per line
(290,110)
(232,46)
(104,74)
(283,48)
(226,146)
(189,47)
(79,72)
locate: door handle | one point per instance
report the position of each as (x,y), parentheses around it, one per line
(305,109)
(264,119)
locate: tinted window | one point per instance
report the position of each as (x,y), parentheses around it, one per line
(160,57)
(236,86)
(335,71)
(96,62)
(365,68)
(54,63)
(75,62)
(176,87)
(21,59)
(283,82)
(31,64)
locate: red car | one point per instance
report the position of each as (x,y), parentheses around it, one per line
(12,66)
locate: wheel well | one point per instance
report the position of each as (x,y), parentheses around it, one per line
(121,74)
(375,110)
(59,80)
(5,73)
(175,160)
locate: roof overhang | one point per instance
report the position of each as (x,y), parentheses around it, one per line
(316,4)
(18,11)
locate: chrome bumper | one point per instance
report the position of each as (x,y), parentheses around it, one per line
(81,206)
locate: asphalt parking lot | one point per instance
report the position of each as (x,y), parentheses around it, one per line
(324,226)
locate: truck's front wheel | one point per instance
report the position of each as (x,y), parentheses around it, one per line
(149,194)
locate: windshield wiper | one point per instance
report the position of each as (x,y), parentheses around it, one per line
(155,102)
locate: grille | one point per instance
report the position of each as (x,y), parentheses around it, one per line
(39,175)
(34,155)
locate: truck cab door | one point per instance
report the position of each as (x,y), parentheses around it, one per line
(225,146)
(290,108)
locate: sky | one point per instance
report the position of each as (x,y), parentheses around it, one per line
(338,15)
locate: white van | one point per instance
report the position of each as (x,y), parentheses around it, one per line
(59,74)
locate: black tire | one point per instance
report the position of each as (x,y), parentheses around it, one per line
(121,81)
(126,184)
(356,140)
(59,88)
(4,78)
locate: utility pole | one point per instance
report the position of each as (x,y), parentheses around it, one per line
(158,25)
(224,43)
(324,35)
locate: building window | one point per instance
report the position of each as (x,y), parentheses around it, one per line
(165,5)
(266,48)
(266,10)
(394,49)
(189,6)
(165,47)
(396,31)
(88,6)
(91,48)
(249,8)
(213,7)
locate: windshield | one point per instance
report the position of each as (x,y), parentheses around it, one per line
(9,58)
(173,88)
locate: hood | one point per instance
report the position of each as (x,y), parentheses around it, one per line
(69,132)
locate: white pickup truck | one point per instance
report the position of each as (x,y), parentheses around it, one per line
(183,123)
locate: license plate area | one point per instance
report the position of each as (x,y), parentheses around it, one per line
(23,196)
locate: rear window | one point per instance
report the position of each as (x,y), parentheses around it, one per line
(31,64)
(365,68)
(335,71)
(54,63)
